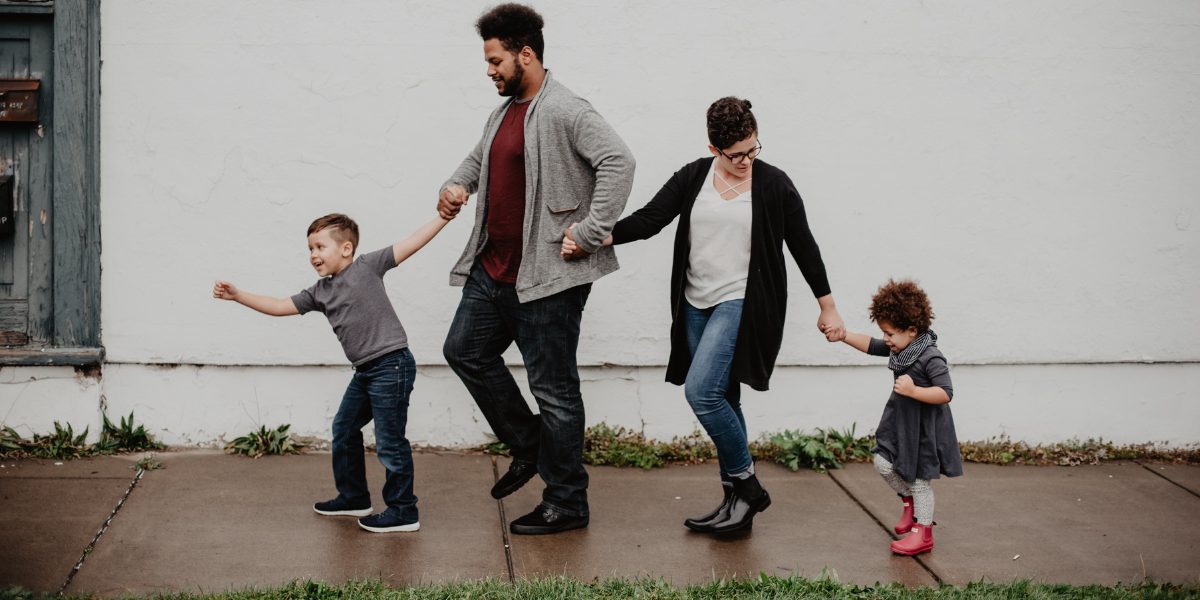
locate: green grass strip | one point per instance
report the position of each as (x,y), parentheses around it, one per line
(762,587)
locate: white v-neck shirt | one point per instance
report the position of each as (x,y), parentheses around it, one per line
(719,246)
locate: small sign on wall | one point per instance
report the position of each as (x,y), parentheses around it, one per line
(19,100)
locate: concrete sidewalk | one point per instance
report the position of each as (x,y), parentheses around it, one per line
(210,522)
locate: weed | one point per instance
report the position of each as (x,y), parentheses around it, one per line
(823,450)
(1002,450)
(125,437)
(15,592)
(603,445)
(11,442)
(830,448)
(65,444)
(265,441)
(148,463)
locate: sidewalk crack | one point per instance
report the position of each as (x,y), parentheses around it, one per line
(103,528)
(885,528)
(1169,480)
(512,577)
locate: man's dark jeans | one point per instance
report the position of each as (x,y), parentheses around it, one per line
(488,321)
(379,390)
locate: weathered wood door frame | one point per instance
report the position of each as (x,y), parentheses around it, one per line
(75,214)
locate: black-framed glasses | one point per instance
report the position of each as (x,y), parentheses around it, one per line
(738,158)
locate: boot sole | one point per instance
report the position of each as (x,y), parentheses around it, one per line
(747,528)
(912,552)
(362,512)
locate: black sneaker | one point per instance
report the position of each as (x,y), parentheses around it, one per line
(386,522)
(519,473)
(545,519)
(340,507)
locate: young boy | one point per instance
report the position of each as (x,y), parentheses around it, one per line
(351,295)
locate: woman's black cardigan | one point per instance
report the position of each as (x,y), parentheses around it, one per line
(777,217)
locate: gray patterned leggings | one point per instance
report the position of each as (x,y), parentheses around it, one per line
(919,489)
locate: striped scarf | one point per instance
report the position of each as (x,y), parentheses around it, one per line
(899,361)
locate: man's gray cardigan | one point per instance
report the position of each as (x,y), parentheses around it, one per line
(576,170)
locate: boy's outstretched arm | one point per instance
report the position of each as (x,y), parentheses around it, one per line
(409,246)
(276,307)
(858,341)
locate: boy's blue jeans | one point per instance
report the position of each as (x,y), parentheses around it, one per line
(716,401)
(546,331)
(378,391)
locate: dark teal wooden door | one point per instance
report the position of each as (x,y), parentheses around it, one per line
(26,157)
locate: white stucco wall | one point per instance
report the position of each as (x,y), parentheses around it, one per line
(1032,164)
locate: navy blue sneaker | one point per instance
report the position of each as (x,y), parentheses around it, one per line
(388,521)
(341,507)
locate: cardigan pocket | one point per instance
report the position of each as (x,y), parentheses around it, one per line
(559,206)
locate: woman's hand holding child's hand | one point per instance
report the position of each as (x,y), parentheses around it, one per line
(904,386)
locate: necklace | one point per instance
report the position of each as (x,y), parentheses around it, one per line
(730,187)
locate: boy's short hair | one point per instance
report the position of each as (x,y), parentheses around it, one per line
(344,228)
(730,121)
(903,304)
(516,26)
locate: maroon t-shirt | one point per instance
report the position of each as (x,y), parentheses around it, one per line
(501,257)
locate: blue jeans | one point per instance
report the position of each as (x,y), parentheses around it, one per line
(716,401)
(378,391)
(546,331)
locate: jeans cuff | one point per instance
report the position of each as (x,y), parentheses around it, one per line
(565,511)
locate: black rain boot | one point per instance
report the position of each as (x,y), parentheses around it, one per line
(704,524)
(749,498)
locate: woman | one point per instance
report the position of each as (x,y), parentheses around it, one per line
(729,289)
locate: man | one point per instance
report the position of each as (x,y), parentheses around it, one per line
(546,160)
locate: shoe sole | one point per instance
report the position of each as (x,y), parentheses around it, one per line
(912,552)
(362,512)
(529,530)
(394,529)
(506,492)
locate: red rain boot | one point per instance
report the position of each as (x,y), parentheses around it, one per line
(904,525)
(920,540)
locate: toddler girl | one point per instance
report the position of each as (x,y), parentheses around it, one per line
(915,440)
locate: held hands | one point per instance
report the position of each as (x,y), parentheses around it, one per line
(223,290)
(904,386)
(570,249)
(835,335)
(830,323)
(451,200)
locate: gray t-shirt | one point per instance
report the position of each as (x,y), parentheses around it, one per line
(358,308)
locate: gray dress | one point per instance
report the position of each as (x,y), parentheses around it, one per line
(918,438)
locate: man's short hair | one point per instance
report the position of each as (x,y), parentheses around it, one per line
(342,228)
(730,121)
(516,26)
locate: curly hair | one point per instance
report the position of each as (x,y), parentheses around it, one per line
(730,121)
(341,228)
(903,304)
(516,26)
